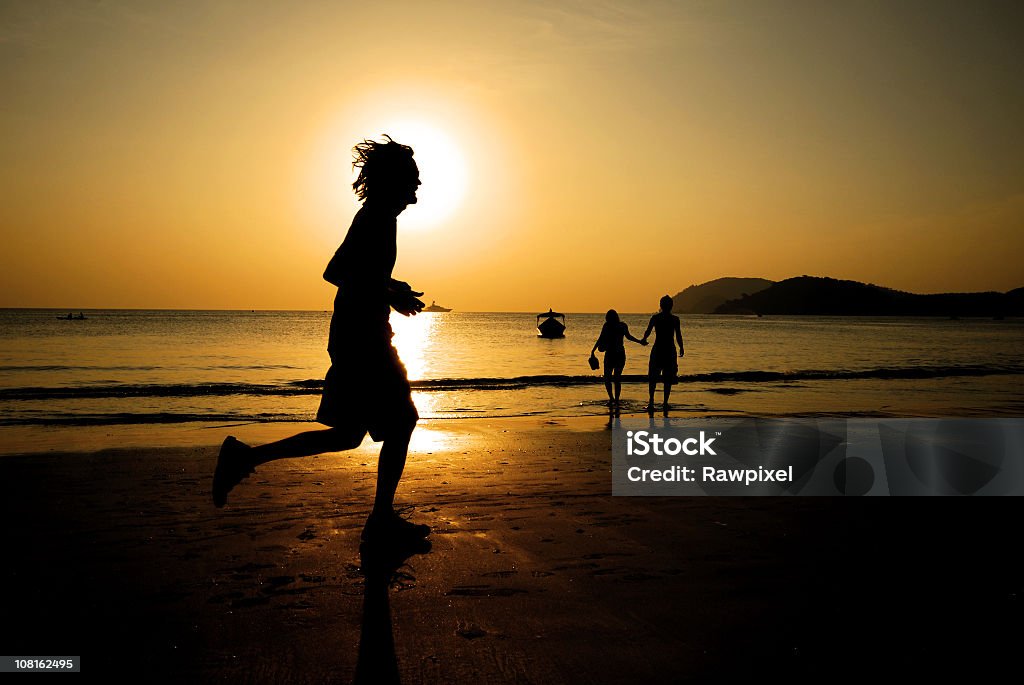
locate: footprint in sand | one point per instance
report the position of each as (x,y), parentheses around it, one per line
(484,591)
(607,555)
(272,548)
(573,567)
(278,581)
(470,631)
(226,597)
(249,602)
(499,574)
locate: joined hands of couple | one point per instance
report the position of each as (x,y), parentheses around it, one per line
(643,341)
(404,299)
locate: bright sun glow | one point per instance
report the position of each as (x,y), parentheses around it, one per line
(442,172)
(326,198)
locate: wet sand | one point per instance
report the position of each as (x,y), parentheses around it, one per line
(536,573)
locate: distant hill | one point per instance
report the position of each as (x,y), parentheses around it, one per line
(831,297)
(706,297)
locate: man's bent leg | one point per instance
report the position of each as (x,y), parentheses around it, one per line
(304,445)
(237,460)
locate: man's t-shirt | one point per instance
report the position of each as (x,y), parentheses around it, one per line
(361,268)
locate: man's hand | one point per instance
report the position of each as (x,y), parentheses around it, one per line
(407,302)
(682,353)
(403,298)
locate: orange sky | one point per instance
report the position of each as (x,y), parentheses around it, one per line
(196,155)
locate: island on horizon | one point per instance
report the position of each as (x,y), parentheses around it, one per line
(824,296)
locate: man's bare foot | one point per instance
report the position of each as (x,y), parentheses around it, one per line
(233,466)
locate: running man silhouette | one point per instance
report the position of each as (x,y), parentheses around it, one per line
(663,354)
(610,341)
(366,389)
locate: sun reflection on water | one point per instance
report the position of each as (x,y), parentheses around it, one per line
(415,339)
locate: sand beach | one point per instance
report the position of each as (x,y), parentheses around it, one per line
(534,573)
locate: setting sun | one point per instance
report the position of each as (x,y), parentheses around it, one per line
(325,192)
(442,171)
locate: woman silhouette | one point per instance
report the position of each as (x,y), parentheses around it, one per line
(366,389)
(611,343)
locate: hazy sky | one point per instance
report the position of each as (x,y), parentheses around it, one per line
(197,154)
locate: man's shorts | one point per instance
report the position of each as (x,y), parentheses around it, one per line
(366,390)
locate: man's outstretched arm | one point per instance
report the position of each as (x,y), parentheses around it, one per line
(650,327)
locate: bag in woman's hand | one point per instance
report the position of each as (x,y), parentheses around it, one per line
(594,364)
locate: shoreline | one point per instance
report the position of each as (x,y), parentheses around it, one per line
(53,439)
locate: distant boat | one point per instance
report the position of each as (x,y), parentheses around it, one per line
(435,307)
(551,327)
(72,317)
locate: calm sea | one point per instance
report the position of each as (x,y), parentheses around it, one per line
(138,367)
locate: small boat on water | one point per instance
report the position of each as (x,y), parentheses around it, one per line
(435,307)
(551,327)
(72,317)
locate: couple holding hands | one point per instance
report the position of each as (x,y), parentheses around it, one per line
(663,362)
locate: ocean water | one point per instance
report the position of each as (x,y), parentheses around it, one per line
(165,367)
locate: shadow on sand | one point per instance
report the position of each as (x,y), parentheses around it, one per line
(381,565)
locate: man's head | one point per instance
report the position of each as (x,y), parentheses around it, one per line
(387,173)
(666,304)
